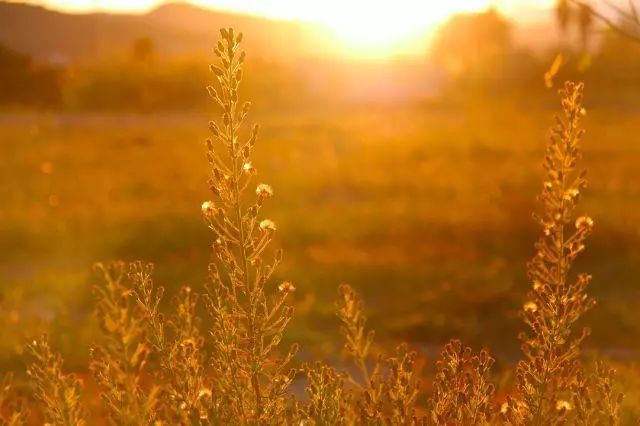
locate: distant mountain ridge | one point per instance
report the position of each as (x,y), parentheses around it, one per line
(175,28)
(179,29)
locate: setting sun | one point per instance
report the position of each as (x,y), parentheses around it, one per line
(389,27)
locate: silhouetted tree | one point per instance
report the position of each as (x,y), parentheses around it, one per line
(619,56)
(585,24)
(469,42)
(22,82)
(563,15)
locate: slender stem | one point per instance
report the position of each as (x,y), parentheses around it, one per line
(242,243)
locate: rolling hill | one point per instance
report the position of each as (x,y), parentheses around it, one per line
(184,29)
(176,29)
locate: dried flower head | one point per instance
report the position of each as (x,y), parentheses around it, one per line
(264,191)
(204,393)
(286,287)
(248,168)
(571,194)
(530,307)
(207,208)
(562,405)
(584,223)
(268,225)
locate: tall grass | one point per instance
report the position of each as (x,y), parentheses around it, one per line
(230,367)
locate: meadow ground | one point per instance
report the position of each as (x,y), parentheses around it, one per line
(426,209)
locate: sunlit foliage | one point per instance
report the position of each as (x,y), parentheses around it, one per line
(230,367)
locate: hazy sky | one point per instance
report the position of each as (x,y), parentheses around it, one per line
(365,26)
(307,9)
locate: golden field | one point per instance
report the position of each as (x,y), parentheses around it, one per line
(425,208)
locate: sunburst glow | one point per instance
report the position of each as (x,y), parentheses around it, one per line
(362,27)
(394,26)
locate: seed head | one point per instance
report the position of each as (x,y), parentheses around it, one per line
(561,404)
(268,225)
(208,208)
(570,194)
(286,287)
(204,393)
(584,223)
(264,191)
(248,168)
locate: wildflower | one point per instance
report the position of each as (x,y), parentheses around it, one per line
(268,225)
(207,208)
(264,191)
(530,307)
(584,223)
(561,404)
(248,168)
(548,228)
(570,194)
(286,287)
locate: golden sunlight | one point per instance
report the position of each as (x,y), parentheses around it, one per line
(391,27)
(357,27)
(364,27)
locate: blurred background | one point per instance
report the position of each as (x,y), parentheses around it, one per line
(404,141)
